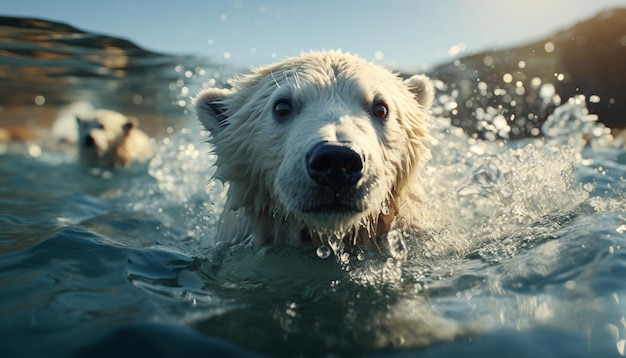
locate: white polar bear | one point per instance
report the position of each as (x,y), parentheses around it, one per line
(110,139)
(322,147)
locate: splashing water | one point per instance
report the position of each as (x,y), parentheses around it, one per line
(494,209)
(497,189)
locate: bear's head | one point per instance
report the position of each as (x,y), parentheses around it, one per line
(325,144)
(100,135)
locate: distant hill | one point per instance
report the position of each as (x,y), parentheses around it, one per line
(46,65)
(588,58)
(21,30)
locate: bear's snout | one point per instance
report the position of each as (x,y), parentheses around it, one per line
(314,149)
(334,165)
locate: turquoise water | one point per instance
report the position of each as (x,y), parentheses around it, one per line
(526,256)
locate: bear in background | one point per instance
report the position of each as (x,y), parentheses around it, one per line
(109,139)
(322,148)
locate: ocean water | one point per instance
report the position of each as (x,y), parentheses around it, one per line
(526,255)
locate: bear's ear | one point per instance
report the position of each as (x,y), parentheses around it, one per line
(210,108)
(132,123)
(422,88)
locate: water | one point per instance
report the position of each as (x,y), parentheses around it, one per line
(525,256)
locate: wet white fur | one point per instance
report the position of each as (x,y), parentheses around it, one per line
(332,95)
(117,140)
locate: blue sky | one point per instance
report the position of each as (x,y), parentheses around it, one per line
(405,33)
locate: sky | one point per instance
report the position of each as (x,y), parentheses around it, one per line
(398,33)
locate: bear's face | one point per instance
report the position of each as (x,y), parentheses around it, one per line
(326,140)
(100,135)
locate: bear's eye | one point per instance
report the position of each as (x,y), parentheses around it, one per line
(380,110)
(282,108)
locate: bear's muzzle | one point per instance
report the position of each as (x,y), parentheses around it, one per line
(334,165)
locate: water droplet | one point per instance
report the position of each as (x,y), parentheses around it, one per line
(323,252)
(344,258)
(621,347)
(397,247)
(360,256)
(384,209)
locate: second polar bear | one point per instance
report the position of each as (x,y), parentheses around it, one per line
(110,139)
(322,148)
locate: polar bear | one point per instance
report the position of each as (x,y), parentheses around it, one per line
(110,139)
(317,148)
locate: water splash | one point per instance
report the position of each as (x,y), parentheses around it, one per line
(496,188)
(179,190)
(396,244)
(571,124)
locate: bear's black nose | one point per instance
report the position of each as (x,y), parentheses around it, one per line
(334,164)
(90,142)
